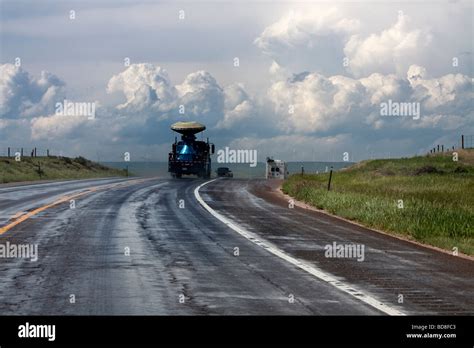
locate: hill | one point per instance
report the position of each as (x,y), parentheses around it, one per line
(53,168)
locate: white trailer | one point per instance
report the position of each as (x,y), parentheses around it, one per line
(275,169)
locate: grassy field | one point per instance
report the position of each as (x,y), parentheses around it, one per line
(437,195)
(52,168)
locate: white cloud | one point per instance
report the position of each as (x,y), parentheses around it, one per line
(319,38)
(148,89)
(55,127)
(202,97)
(309,39)
(24,96)
(449,92)
(327,108)
(315,103)
(336,103)
(390,51)
(144,86)
(238,106)
(381,87)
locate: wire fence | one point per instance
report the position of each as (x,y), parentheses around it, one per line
(465,142)
(26,152)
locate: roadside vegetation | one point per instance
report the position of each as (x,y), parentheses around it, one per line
(436,192)
(52,168)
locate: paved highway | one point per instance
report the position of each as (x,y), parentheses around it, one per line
(190,247)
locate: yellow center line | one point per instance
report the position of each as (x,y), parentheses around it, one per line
(21,216)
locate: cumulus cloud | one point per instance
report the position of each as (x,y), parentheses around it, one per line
(392,50)
(238,106)
(25,99)
(320,39)
(312,103)
(151,104)
(199,97)
(25,96)
(379,88)
(145,86)
(447,93)
(308,108)
(54,127)
(202,97)
(308,40)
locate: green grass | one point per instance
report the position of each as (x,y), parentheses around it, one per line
(52,168)
(437,194)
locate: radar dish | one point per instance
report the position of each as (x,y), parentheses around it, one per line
(188,127)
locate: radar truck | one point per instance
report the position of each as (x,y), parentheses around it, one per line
(190,156)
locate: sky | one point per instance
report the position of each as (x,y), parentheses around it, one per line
(293,80)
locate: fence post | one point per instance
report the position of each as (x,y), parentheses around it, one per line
(21,152)
(47,152)
(442,148)
(329,182)
(39,169)
(8,152)
(462,141)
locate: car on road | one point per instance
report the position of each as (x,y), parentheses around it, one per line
(224,172)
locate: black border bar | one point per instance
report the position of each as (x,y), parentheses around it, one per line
(261,330)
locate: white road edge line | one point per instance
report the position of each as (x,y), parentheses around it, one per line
(311,269)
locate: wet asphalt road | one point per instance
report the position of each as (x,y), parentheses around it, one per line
(148,247)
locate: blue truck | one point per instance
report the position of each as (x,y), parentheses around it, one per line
(189,156)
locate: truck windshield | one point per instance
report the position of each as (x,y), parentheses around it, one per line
(185,152)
